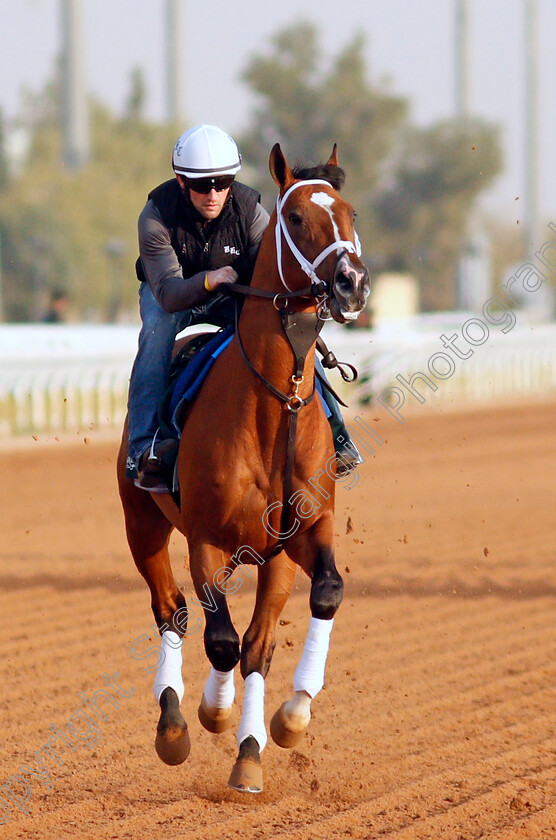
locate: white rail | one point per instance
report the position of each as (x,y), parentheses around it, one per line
(517,363)
(56,378)
(62,378)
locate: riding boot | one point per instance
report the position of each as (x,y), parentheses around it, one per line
(347,454)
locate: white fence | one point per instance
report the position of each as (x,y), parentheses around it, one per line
(61,378)
(520,362)
(56,378)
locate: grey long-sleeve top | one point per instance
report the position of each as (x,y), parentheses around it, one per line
(172,290)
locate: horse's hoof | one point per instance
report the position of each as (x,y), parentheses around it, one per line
(172,742)
(216,720)
(246,776)
(247,772)
(285,730)
(173,745)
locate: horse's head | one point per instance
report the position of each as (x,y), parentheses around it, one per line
(317,225)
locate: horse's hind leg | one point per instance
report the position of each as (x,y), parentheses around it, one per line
(290,722)
(148,532)
(275,580)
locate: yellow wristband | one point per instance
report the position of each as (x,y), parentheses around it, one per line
(206,284)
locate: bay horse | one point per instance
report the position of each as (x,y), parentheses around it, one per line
(257,478)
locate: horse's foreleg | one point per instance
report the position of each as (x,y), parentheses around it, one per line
(290,722)
(148,532)
(274,584)
(216,710)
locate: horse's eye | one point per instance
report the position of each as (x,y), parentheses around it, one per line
(294,218)
(354,215)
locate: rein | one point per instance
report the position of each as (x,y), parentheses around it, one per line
(317,289)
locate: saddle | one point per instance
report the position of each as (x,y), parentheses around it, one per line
(188,370)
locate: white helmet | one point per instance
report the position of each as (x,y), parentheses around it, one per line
(206,151)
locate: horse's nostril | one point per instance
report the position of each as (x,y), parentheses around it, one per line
(345,281)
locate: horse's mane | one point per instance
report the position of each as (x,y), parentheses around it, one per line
(335,175)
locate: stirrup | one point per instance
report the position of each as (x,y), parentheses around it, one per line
(152,468)
(348,457)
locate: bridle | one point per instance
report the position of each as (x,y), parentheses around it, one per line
(301,338)
(341,246)
(318,289)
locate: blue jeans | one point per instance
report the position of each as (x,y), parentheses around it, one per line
(149,376)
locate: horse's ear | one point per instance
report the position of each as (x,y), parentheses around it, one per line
(333,159)
(279,168)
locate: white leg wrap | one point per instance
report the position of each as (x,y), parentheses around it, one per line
(309,674)
(168,672)
(219,689)
(252,715)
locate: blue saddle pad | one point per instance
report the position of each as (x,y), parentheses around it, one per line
(192,377)
(189,382)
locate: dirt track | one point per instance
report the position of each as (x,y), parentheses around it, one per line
(438,719)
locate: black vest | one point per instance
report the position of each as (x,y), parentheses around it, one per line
(202,245)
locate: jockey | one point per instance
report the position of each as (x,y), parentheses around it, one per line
(197,232)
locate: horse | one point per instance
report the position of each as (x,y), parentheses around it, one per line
(256,469)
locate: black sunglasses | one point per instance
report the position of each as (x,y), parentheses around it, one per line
(205,185)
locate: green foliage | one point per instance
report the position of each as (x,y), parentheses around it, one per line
(3,161)
(77,230)
(308,108)
(421,211)
(137,96)
(413,188)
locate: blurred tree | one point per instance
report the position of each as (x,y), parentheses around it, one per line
(422,207)
(137,96)
(412,188)
(3,155)
(55,225)
(308,109)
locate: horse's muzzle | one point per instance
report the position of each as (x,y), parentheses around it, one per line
(350,288)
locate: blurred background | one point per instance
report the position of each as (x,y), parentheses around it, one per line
(443,113)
